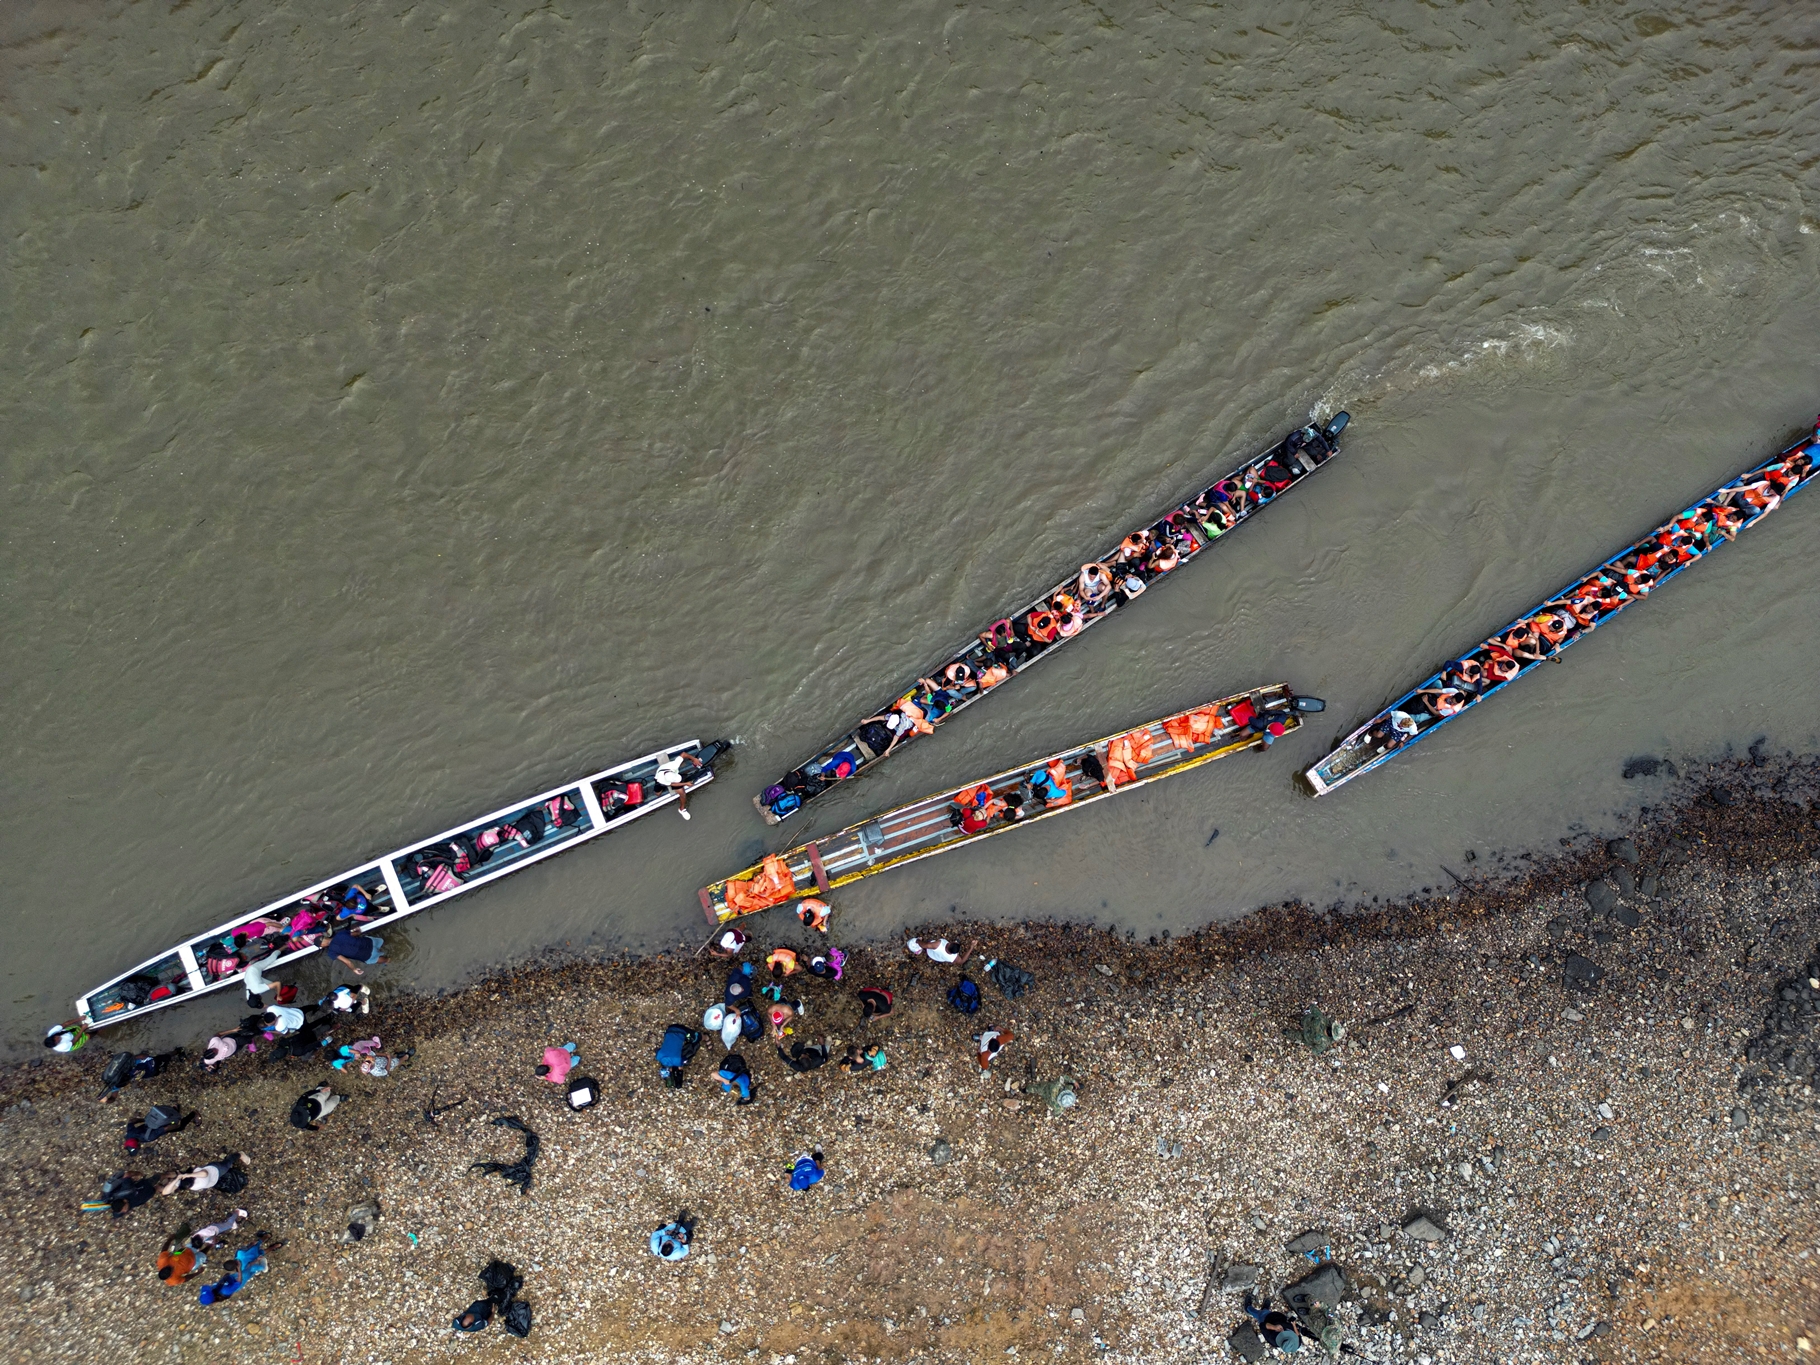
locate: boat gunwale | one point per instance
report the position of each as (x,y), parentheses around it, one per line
(957,655)
(1321,786)
(935,800)
(380,863)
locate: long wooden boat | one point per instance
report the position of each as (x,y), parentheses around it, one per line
(1571,614)
(1074,777)
(1036,630)
(381,892)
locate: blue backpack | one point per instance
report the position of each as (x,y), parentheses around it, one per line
(674,1051)
(964,996)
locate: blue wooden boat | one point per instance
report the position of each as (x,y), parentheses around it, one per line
(1571,614)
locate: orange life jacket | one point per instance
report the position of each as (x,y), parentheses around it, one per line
(993,675)
(913,713)
(1192,728)
(771,885)
(1553,625)
(1134,546)
(1125,755)
(1043,626)
(1058,778)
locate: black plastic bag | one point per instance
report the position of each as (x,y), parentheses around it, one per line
(517,1318)
(502,1281)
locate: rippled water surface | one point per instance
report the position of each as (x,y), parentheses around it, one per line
(413,406)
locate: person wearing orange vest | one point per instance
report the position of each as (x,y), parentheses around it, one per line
(813,912)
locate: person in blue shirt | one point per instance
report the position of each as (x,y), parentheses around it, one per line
(807,1171)
(736,1078)
(356,949)
(671,1241)
(249,1261)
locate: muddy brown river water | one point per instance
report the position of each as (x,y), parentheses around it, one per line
(413,406)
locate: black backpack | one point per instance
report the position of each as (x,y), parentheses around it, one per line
(530,825)
(119,1070)
(964,996)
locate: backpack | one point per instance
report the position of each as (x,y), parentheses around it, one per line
(678,1046)
(786,804)
(964,996)
(233,1179)
(119,1070)
(530,825)
(583,1092)
(517,1318)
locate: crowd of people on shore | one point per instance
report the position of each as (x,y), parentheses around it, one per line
(764,1004)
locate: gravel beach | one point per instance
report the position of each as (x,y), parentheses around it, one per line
(1570,1117)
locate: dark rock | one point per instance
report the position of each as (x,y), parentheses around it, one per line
(1246,1344)
(1627,884)
(1324,1288)
(1645,766)
(1602,1329)
(1650,885)
(1601,1133)
(1628,917)
(1423,1228)
(1623,850)
(1601,896)
(1557,927)
(1239,1277)
(1582,971)
(1602,937)
(1428,1320)
(1740,1120)
(1721,796)
(941,1153)
(1312,1240)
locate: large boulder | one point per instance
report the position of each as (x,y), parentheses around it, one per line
(1324,1288)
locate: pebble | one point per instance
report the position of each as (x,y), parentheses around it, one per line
(1601,896)
(1623,850)
(1740,1120)
(1628,917)
(1604,1109)
(1627,884)
(1582,969)
(941,1152)
(1572,1015)
(1416,1277)
(1601,1133)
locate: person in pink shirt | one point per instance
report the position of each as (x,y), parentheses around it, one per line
(557,1062)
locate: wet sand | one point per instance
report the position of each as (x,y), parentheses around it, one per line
(1683,1215)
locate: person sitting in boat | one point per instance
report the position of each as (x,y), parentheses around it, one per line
(1443,701)
(842,766)
(1214,513)
(675,773)
(976,808)
(1163,558)
(1069,619)
(1133,550)
(1555,625)
(912,714)
(354,903)
(1095,583)
(1523,644)
(1049,785)
(958,679)
(1043,625)
(1131,585)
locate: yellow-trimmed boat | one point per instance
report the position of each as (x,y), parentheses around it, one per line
(980,809)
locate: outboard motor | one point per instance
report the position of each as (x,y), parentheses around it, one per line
(709,753)
(1309,705)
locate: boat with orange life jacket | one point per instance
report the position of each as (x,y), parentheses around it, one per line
(1574,612)
(385,890)
(1019,638)
(977,810)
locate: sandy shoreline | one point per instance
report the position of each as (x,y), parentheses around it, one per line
(1682,1214)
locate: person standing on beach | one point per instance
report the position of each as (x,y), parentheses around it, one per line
(807,1169)
(65,1037)
(991,1042)
(736,1077)
(874,1003)
(179,1259)
(558,1062)
(313,1106)
(671,1241)
(204,1238)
